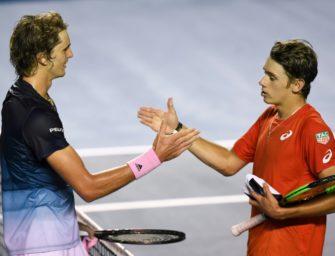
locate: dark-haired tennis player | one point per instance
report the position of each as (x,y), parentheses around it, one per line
(289,144)
(39,168)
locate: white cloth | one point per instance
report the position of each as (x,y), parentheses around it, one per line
(248,188)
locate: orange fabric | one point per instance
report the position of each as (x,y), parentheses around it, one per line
(288,155)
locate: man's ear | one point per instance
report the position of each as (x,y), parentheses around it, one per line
(41,59)
(298,84)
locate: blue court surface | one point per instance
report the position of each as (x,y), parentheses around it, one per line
(207,55)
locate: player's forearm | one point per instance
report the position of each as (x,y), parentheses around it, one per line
(213,155)
(317,207)
(106,182)
(70,167)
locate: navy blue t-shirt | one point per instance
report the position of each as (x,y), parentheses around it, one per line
(36,200)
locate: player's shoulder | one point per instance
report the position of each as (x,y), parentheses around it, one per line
(13,104)
(310,117)
(14,112)
(17,105)
(312,122)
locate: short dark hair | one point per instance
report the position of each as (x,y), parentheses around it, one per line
(298,59)
(34,34)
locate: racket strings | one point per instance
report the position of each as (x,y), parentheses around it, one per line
(143,238)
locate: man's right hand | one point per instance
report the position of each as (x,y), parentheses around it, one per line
(168,146)
(152,117)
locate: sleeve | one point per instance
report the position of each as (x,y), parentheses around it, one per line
(245,147)
(44,134)
(319,145)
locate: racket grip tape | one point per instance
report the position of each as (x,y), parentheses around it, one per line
(144,163)
(238,229)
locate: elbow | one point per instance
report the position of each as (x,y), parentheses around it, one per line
(227,172)
(86,191)
(88,199)
(229,169)
(87,196)
(224,167)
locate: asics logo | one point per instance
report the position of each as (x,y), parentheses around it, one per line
(327,156)
(286,135)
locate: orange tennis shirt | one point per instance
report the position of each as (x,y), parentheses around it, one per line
(287,154)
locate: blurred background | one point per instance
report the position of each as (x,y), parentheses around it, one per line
(206,54)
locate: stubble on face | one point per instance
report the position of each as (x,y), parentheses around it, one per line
(60,55)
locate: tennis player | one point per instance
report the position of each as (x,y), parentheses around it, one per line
(289,144)
(39,167)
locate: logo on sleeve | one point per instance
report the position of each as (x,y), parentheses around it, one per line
(56,129)
(327,156)
(286,135)
(322,137)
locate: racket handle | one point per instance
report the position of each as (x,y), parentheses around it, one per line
(238,229)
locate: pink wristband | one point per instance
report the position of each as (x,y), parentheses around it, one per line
(144,163)
(89,242)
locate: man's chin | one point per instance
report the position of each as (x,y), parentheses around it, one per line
(267,101)
(59,76)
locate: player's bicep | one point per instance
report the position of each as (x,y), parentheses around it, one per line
(68,164)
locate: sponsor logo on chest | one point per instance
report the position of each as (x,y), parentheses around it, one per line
(286,135)
(56,129)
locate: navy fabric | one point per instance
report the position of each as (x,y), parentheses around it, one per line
(36,200)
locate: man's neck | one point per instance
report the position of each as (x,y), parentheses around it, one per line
(285,112)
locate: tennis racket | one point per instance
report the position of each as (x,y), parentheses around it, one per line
(140,236)
(300,195)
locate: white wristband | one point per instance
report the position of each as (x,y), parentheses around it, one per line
(144,163)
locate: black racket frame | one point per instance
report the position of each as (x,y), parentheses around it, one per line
(109,233)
